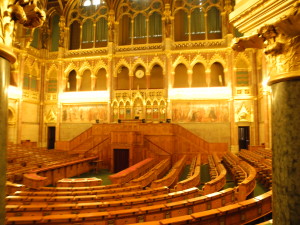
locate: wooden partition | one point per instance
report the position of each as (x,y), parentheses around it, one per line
(149,139)
(60,171)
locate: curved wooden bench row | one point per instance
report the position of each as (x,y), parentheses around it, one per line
(132,172)
(59,171)
(85,198)
(243,173)
(156,172)
(231,162)
(79,182)
(70,208)
(148,213)
(248,185)
(78,193)
(91,188)
(239,213)
(13,187)
(172,177)
(262,165)
(219,182)
(193,179)
(22,159)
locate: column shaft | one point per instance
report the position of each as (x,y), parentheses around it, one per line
(286,152)
(4,81)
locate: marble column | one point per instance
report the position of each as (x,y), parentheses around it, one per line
(4,81)
(286,152)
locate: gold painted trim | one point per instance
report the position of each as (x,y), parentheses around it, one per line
(284,77)
(6,53)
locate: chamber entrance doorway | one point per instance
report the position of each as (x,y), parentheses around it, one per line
(51,138)
(121,159)
(244,137)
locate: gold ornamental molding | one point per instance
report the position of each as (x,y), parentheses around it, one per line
(281,43)
(284,77)
(248,16)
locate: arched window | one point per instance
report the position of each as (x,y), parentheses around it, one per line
(140,29)
(217,75)
(214,23)
(123,79)
(199,77)
(125,30)
(86,82)
(101,80)
(72,81)
(101,32)
(139,79)
(74,35)
(181,77)
(87,34)
(157,77)
(54,33)
(155,28)
(197,24)
(181,26)
(242,73)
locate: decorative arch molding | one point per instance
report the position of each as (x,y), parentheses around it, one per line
(244,57)
(157,61)
(122,62)
(69,68)
(137,97)
(114,103)
(51,12)
(181,60)
(199,59)
(121,103)
(69,6)
(218,58)
(85,66)
(52,68)
(100,65)
(139,62)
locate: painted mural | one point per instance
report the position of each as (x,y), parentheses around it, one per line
(200,111)
(84,113)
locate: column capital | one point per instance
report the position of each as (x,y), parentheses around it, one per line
(281,43)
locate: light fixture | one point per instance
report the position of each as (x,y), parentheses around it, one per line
(87,3)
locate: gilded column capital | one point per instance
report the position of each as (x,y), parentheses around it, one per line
(26,13)
(281,43)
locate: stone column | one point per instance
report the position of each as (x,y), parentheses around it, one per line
(281,43)
(286,151)
(4,81)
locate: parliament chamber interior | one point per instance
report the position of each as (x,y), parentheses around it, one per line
(149,112)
